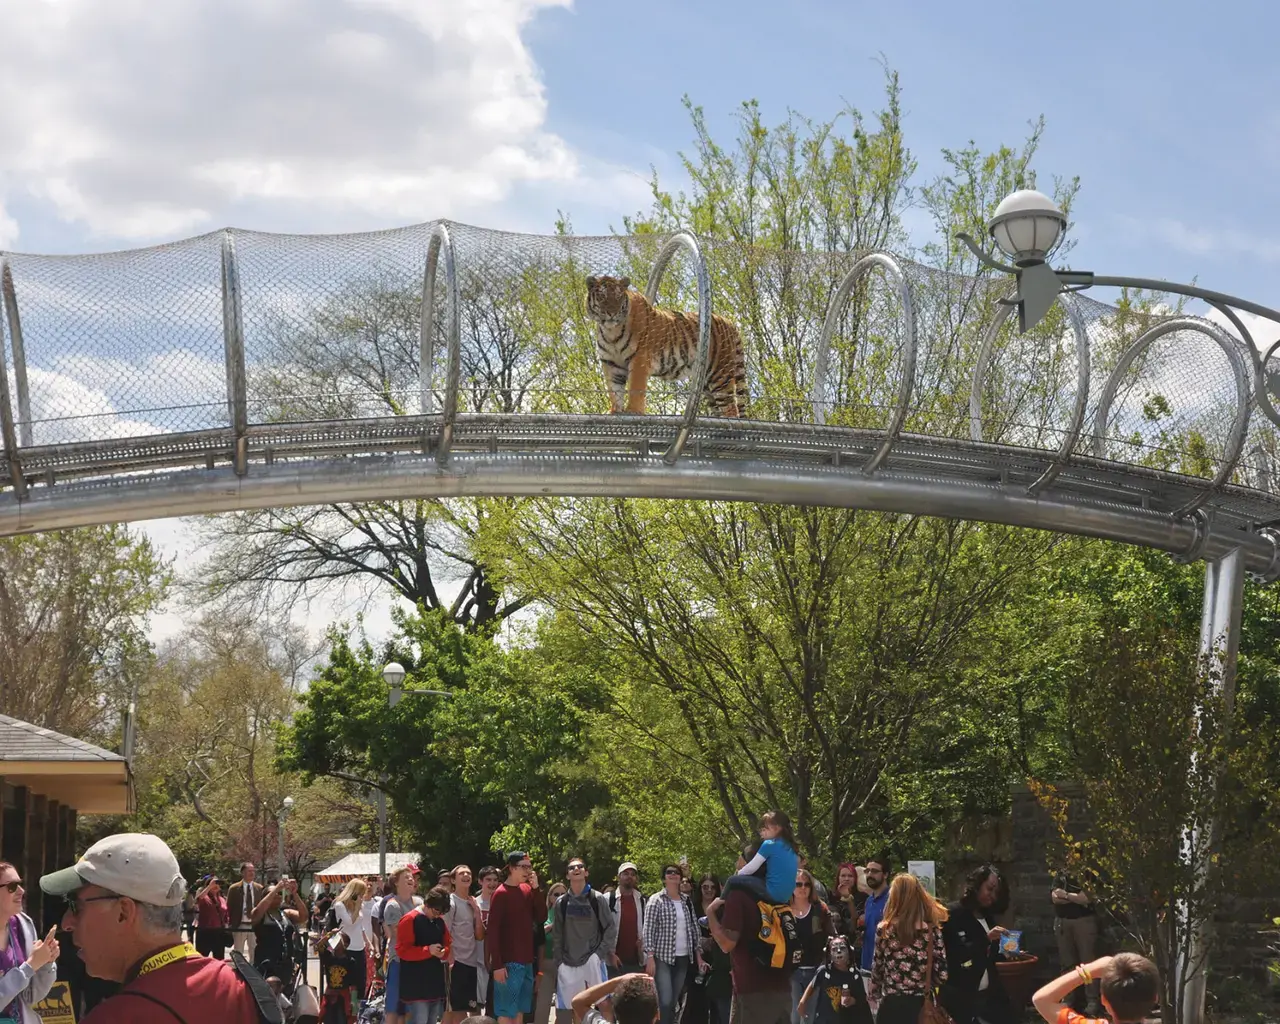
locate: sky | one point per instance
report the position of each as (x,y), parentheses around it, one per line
(141,121)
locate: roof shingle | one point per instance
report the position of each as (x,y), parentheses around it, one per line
(22,741)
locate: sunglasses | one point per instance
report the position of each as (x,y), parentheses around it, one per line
(577,867)
(708,888)
(75,904)
(13,887)
(804,885)
(675,874)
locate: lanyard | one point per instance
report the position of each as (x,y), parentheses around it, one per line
(165,957)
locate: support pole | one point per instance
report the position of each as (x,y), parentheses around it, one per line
(382,830)
(1219,647)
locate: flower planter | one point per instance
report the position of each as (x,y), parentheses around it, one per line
(1019,980)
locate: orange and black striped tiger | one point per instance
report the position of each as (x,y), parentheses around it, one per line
(636,341)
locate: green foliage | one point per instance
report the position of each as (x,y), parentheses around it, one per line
(512,736)
(73,612)
(1159,747)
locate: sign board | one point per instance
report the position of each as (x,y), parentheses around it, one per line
(56,1007)
(927,872)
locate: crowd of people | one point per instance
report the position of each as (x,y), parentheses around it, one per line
(771,945)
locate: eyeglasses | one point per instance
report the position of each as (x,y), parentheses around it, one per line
(13,887)
(674,874)
(804,885)
(708,887)
(76,903)
(577,867)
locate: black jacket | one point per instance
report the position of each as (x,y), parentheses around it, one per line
(970,955)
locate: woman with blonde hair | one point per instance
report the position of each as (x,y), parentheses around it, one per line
(349,920)
(910,960)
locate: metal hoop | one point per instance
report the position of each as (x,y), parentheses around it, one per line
(1082,387)
(9,297)
(1235,441)
(233,350)
(440,240)
(838,301)
(698,379)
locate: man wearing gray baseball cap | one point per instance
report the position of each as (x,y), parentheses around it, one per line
(124,912)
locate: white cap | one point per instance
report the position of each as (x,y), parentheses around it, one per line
(627,866)
(132,864)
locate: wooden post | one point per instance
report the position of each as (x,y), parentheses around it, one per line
(54,857)
(38,809)
(15,837)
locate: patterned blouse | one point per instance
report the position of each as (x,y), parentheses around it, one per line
(898,970)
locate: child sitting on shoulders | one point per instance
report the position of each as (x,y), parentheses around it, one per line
(778,858)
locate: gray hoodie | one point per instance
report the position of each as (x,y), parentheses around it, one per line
(582,925)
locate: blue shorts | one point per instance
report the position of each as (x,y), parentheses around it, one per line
(393,1004)
(511,998)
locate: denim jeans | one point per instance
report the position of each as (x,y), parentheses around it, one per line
(721,1009)
(428,1011)
(800,979)
(669,979)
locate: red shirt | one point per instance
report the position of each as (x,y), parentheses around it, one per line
(211,914)
(203,991)
(741,915)
(628,948)
(512,918)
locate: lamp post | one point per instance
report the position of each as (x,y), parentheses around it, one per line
(393,674)
(1028,228)
(285,808)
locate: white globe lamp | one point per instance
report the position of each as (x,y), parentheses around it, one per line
(1027,226)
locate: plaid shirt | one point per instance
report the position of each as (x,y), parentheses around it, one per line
(660,917)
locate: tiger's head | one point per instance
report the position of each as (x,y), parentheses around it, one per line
(607,299)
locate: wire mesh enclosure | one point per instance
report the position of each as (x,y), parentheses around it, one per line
(242,347)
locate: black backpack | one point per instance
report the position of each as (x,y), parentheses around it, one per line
(777,944)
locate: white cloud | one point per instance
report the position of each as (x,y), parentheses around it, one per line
(141,119)
(1263,330)
(8,229)
(1199,241)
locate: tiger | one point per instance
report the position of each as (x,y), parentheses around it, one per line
(635,341)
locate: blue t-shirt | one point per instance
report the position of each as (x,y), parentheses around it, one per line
(781,863)
(873,912)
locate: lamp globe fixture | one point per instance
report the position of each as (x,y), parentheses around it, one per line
(1027,226)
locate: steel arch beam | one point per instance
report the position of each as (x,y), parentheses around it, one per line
(859,270)
(323,481)
(1239,426)
(1082,386)
(440,242)
(698,379)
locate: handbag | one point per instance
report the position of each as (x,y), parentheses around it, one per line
(931,1012)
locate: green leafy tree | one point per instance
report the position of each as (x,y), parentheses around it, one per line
(1160,748)
(73,612)
(497,764)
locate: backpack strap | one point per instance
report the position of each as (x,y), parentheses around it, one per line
(595,904)
(268,1009)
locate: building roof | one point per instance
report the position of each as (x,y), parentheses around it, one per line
(361,865)
(22,741)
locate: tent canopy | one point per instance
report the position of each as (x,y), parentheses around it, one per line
(362,865)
